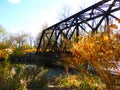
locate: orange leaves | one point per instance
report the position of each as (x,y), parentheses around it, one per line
(114,26)
(100,51)
(95,47)
(118,20)
(106,38)
(3,54)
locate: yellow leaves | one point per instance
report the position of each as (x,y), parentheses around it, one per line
(114,26)
(91,45)
(118,20)
(83,39)
(100,51)
(96,47)
(106,38)
(3,54)
(30,50)
(118,47)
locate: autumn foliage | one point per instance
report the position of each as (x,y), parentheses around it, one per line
(97,48)
(100,51)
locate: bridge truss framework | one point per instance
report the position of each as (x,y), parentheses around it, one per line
(88,20)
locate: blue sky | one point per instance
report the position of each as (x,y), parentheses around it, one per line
(30,15)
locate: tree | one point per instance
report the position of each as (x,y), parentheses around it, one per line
(2,33)
(64,13)
(44,26)
(21,39)
(30,40)
(9,40)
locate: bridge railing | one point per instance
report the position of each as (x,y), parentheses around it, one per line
(58,38)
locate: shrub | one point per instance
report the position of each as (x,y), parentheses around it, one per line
(17,53)
(102,52)
(8,79)
(72,81)
(3,55)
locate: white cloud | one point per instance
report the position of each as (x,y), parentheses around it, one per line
(14,1)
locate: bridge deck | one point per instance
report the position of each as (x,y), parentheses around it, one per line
(41,58)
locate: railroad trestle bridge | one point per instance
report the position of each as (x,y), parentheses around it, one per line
(88,20)
(53,40)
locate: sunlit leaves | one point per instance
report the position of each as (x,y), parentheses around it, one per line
(118,20)
(2,54)
(101,51)
(106,38)
(114,26)
(95,46)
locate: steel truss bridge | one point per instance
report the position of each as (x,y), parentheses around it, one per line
(56,40)
(53,39)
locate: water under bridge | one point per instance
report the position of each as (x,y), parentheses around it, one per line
(56,39)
